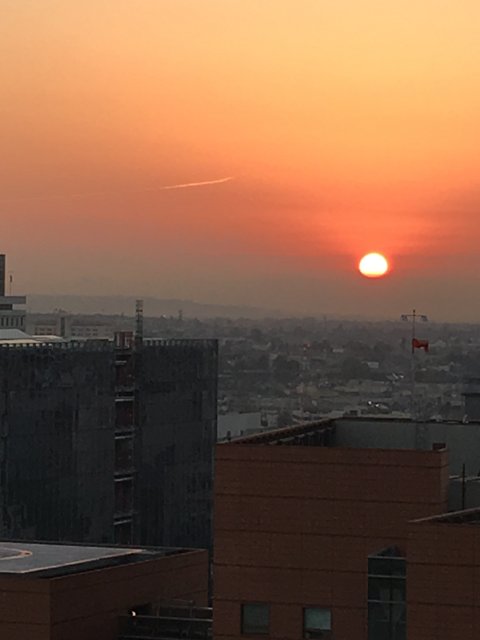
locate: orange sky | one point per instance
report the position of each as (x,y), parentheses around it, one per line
(348,126)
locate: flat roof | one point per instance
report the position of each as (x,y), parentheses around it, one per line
(16,337)
(466,516)
(13,300)
(345,432)
(317,433)
(45,559)
(14,334)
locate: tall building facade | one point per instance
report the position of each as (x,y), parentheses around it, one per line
(99,441)
(178,405)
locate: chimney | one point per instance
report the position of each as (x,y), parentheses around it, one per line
(2,274)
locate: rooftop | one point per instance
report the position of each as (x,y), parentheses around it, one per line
(466,516)
(47,560)
(370,432)
(15,335)
(318,433)
(460,439)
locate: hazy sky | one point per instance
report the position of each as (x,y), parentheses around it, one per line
(347,126)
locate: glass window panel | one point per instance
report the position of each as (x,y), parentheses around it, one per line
(398,590)
(379,630)
(255,618)
(399,620)
(386,589)
(379,589)
(316,619)
(399,613)
(378,612)
(386,566)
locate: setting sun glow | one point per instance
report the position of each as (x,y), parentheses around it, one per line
(344,128)
(373,265)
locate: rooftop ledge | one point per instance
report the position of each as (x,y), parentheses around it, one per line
(13,299)
(466,516)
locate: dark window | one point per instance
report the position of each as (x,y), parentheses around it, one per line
(386,596)
(255,618)
(124,414)
(123,454)
(317,622)
(123,496)
(123,532)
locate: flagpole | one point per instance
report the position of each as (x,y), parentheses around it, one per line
(412,395)
(413,318)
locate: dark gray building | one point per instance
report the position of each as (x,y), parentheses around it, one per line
(108,442)
(178,404)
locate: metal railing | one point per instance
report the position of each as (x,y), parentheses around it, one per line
(164,627)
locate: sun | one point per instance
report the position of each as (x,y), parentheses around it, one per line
(373,265)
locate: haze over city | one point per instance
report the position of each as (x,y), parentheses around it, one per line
(325,129)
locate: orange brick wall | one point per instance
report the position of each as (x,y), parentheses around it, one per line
(443,588)
(24,609)
(294,526)
(87,605)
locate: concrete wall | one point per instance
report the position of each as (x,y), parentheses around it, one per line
(56,457)
(57,442)
(464,497)
(462,440)
(88,604)
(178,399)
(236,423)
(294,526)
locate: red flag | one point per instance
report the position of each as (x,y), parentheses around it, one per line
(419,344)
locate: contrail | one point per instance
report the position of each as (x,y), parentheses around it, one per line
(185,185)
(188,185)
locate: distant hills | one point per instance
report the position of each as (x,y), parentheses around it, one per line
(153,307)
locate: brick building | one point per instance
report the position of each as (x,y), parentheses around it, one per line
(75,592)
(318,539)
(444,577)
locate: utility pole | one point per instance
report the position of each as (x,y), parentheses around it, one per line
(138,323)
(420,435)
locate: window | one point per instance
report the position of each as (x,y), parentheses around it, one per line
(386,596)
(123,495)
(317,622)
(123,454)
(255,618)
(123,532)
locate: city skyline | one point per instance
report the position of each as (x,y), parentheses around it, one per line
(342,127)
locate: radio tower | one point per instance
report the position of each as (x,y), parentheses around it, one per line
(420,434)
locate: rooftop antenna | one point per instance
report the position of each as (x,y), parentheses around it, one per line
(414,317)
(139,323)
